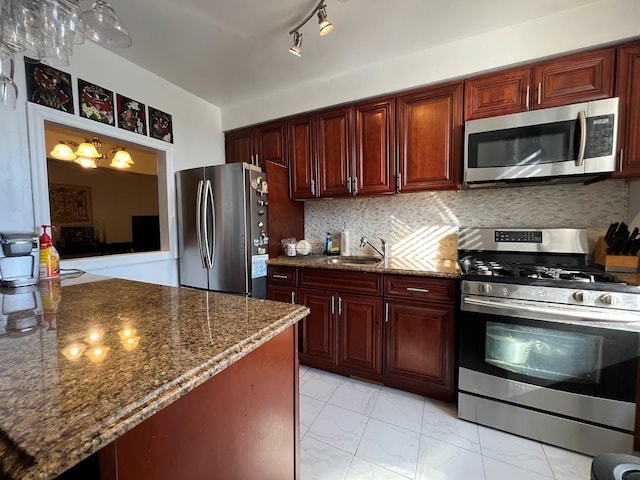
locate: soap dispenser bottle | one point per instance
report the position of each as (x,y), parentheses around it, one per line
(328,244)
(49,257)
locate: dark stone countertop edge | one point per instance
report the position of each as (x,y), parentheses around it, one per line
(106,431)
(393,267)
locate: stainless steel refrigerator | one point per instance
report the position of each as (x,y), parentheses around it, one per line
(222,228)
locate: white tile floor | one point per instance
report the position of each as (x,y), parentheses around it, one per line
(353,430)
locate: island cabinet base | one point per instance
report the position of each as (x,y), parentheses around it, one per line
(241,424)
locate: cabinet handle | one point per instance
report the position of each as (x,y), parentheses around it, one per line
(251,157)
(313,187)
(527,99)
(293,297)
(539,93)
(277,275)
(355,185)
(349,184)
(339,305)
(398,182)
(419,290)
(333,305)
(621,160)
(257,160)
(386,312)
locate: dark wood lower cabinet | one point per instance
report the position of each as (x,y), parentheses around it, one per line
(240,424)
(360,333)
(419,352)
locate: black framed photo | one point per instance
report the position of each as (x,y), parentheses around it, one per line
(160,125)
(132,115)
(95,102)
(48,86)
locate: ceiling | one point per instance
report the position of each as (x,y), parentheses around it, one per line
(228,51)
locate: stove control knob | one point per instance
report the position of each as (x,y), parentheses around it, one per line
(609,299)
(484,288)
(582,297)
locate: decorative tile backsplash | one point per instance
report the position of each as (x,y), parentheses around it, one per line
(426,223)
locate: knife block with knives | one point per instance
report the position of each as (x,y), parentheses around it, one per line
(618,250)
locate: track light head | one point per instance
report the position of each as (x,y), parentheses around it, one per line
(325,25)
(296,48)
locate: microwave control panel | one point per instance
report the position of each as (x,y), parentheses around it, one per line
(600,136)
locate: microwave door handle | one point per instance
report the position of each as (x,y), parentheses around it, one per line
(582,118)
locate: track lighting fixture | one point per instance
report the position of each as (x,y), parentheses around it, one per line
(296,48)
(324,25)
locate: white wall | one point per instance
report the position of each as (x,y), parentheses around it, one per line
(598,23)
(196,127)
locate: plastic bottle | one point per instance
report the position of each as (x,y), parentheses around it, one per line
(49,257)
(328,244)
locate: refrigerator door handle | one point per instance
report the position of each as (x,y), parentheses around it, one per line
(199,218)
(211,248)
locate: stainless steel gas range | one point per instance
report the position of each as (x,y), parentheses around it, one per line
(548,346)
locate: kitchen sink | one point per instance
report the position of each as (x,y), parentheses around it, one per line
(354,260)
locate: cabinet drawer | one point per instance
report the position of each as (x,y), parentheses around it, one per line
(420,288)
(282,276)
(344,281)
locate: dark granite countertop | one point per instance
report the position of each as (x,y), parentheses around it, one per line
(397,265)
(108,355)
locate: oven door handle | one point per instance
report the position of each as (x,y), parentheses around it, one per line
(552,310)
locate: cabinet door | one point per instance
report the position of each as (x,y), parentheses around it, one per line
(575,78)
(374,147)
(302,156)
(279,293)
(430,138)
(360,332)
(497,94)
(270,142)
(420,347)
(628,89)
(319,327)
(334,152)
(238,146)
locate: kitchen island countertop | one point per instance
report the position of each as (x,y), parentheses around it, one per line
(109,355)
(427,267)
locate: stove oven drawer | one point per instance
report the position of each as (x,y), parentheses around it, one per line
(436,290)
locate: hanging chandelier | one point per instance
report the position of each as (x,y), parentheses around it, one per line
(87,154)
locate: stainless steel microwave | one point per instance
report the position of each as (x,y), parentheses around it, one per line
(552,144)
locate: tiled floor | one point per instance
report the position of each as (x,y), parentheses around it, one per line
(353,430)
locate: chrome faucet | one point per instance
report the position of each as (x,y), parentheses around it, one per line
(385,250)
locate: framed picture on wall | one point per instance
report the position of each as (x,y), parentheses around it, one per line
(48,86)
(95,102)
(132,115)
(160,125)
(70,204)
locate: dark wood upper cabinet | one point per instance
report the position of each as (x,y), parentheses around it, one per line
(270,143)
(303,174)
(238,146)
(576,78)
(334,139)
(570,79)
(257,144)
(628,90)
(374,160)
(430,138)
(497,94)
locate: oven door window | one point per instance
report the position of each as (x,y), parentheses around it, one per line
(544,354)
(581,359)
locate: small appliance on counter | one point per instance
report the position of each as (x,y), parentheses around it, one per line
(19,259)
(20,310)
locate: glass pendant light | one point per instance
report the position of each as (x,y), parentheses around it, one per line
(86,162)
(101,25)
(87,150)
(62,151)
